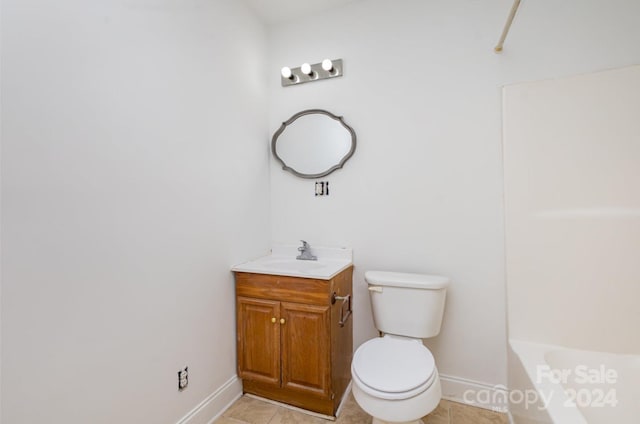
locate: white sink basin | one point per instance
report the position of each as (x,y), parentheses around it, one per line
(282,261)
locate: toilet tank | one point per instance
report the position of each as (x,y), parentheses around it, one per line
(410,305)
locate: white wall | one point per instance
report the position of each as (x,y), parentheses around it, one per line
(134,174)
(423,192)
(573,210)
(0,219)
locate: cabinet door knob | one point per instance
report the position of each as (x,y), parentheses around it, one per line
(282,321)
(273,320)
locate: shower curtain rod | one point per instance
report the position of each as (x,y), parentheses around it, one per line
(507,26)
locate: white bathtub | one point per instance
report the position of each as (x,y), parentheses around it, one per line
(555,385)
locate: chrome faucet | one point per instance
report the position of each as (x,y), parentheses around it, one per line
(305,252)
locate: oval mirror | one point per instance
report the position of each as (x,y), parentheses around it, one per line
(313,143)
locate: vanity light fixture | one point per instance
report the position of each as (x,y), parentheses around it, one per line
(287,74)
(327,65)
(306,69)
(311,72)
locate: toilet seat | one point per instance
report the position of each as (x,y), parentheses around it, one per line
(393,367)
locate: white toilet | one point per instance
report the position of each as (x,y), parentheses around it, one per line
(395,379)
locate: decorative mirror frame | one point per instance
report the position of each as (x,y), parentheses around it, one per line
(310,112)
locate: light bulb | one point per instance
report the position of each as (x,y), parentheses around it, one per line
(306,69)
(327,65)
(286,72)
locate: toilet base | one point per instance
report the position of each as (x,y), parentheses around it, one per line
(378,421)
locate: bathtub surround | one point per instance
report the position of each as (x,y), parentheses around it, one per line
(573,210)
(424,191)
(572,241)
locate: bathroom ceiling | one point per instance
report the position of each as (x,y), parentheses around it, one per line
(277,11)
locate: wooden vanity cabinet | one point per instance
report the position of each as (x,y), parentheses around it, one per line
(292,344)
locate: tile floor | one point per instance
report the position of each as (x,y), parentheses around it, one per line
(248,410)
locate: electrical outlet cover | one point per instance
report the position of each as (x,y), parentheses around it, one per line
(183,378)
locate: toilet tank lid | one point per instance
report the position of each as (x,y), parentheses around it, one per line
(408,280)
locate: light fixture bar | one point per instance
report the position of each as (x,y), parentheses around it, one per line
(318,71)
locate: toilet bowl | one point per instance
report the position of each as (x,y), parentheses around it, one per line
(395,379)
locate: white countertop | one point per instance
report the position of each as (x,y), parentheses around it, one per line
(282,261)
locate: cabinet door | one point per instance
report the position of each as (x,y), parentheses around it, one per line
(258,336)
(306,349)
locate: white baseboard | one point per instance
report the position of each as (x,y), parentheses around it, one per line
(475,393)
(456,389)
(215,404)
